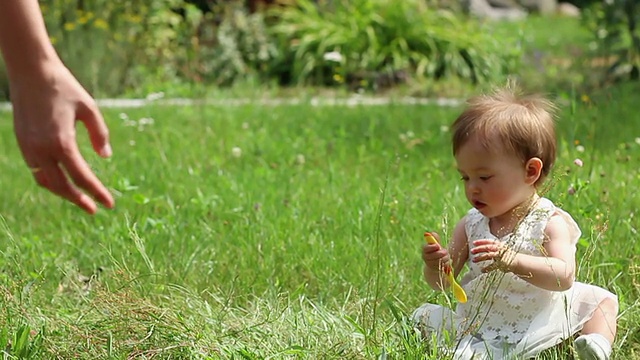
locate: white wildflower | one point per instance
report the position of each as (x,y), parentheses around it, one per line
(126,121)
(236,152)
(300,160)
(602,33)
(580,148)
(578,162)
(333,56)
(146,121)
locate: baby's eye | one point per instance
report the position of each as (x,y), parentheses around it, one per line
(485,178)
(464,178)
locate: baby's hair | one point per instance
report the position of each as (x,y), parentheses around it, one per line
(505,120)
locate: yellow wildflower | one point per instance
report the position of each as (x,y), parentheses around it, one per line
(101,24)
(585,98)
(136,19)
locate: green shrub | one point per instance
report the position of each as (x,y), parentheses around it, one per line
(137,47)
(113,46)
(117,47)
(615,25)
(583,3)
(240,45)
(338,41)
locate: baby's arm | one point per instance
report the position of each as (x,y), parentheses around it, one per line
(553,271)
(434,257)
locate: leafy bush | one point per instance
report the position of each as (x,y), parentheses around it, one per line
(583,3)
(122,47)
(615,24)
(239,47)
(115,45)
(340,41)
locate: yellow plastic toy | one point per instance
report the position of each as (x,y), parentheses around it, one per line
(458,291)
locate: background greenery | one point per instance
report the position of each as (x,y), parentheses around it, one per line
(293,231)
(419,47)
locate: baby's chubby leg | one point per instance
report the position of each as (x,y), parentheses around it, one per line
(604,320)
(598,333)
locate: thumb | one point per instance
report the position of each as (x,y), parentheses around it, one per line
(90,115)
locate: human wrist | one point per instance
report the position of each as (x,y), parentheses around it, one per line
(429,269)
(514,264)
(42,68)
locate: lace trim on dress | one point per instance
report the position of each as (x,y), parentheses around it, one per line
(502,306)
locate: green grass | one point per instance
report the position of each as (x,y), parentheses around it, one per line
(305,246)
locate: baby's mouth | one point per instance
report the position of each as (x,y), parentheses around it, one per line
(478,204)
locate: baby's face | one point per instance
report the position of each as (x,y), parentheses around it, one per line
(495,181)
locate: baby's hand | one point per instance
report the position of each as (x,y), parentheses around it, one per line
(502,255)
(434,255)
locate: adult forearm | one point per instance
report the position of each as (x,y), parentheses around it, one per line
(548,273)
(24,41)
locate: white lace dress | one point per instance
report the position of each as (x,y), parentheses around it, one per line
(506,317)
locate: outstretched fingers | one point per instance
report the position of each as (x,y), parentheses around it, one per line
(82,176)
(89,114)
(492,250)
(53,178)
(61,169)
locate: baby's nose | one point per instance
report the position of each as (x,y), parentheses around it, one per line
(473,186)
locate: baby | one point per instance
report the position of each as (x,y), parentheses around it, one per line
(520,248)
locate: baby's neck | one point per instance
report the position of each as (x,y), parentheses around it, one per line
(506,223)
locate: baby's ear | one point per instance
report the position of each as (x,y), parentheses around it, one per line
(533,168)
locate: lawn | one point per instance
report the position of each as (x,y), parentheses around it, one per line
(294,231)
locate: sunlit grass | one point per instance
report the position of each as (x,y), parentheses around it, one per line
(282,232)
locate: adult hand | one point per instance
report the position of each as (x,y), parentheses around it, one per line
(46,106)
